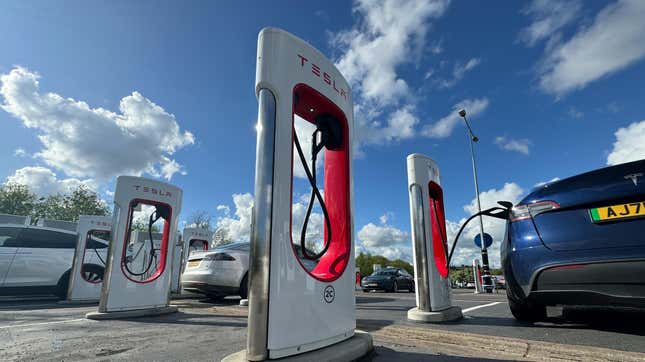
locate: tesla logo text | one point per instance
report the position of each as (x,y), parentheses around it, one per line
(634,177)
(152,190)
(329,294)
(326,77)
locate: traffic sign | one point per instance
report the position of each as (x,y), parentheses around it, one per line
(488,240)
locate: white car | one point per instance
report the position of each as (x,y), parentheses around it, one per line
(38,260)
(222,271)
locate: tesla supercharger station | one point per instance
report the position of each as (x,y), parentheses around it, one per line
(477,275)
(195,239)
(84,281)
(131,288)
(295,309)
(429,239)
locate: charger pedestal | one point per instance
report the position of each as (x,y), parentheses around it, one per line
(358,346)
(427,218)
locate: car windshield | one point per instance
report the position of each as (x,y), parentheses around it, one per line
(385,272)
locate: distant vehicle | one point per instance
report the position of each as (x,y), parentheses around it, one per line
(388,279)
(38,260)
(500,282)
(578,241)
(470,285)
(223,271)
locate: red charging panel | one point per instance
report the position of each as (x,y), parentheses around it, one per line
(164,241)
(332,264)
(438,223)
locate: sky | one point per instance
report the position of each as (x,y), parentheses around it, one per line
(93,90)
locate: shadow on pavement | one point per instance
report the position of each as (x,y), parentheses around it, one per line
(370,325)
(366,300)
(190,319)
(388,354)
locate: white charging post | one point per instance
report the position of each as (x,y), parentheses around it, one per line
(298,308)
(429,242)
(136,285)
(477,275)
(88,266)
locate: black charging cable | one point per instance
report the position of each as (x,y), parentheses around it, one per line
(315,194)
(154,216)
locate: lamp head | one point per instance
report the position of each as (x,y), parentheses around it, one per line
(462,112)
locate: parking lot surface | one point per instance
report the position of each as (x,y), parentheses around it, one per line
(205,330)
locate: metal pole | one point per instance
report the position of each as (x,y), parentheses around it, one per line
(484,251)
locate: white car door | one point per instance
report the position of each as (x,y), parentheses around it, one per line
(42,258)
(8,248)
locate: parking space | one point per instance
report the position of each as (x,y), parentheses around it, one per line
(204,330)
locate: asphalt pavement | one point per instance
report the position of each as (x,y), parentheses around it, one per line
(205,330)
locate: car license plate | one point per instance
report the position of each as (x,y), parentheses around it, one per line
(195,263)
(372,285)
(617,212)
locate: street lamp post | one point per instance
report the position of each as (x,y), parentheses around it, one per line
(486,270)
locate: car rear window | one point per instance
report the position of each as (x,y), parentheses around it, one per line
(40,238)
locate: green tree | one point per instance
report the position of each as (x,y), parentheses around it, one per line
(16,199)
(200,219)
(365,263)
(67,207)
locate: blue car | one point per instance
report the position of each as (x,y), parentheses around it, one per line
(578,241)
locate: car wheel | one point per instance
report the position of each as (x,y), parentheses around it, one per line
(62,286)
(411,289)
(395,287)
(244,287)
(93,273)
(525,311)
(366,290)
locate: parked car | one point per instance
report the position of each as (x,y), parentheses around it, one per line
(223,270)
(578,241)
(388,279)
(38,260)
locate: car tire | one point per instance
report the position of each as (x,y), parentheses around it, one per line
(366,290)
(411,289)
(62,286)
(95,271)
(395,287)
(244,287)
(525,311)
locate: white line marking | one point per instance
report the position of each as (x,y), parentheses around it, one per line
(43,323)
(477,301)
(480,306)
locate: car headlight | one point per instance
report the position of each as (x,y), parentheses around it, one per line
(219,256)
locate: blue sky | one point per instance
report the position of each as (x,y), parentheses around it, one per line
(166,90)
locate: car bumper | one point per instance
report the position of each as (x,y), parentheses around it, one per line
(375,286)
(205,288)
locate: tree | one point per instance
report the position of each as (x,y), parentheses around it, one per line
(16,199)
(200,219)
(81,201)
(221,237)
(365,262)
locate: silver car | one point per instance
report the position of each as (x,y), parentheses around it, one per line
(222,271)
(38,260)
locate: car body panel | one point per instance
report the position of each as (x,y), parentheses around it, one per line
(221,277)
(381,281)
(8,248)
(35,269)
(555,243)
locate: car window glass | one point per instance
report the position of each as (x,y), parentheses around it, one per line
(40,238)
(9,236)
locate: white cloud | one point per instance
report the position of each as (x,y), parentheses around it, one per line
(386,217)
(466,250)
(458,72)
(20,152)
(238,227)
(95,142)
(43,181)
(629,144)
(612,42)
(372,235)
(444,127)
(575,113)
(304,131)
(388,35)
(509,144)
(548,17)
